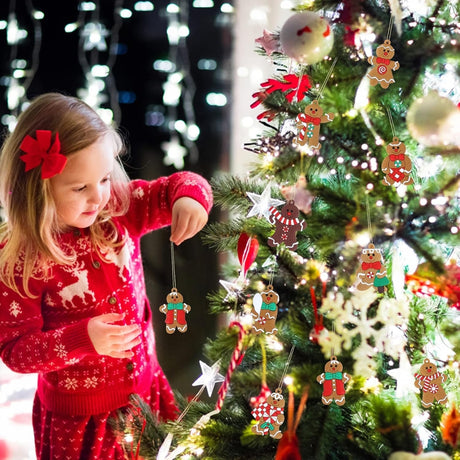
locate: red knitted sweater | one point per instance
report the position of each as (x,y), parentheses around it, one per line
(48,334)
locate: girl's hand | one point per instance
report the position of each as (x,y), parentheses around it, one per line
(188,218)
(113,340)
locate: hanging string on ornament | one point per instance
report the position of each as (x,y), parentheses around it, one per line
(269,415)
(175,309)
(396,166)
(372,271)
(310,120)
(382,69)
(265,390)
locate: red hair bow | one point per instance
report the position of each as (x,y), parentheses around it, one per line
(40,150)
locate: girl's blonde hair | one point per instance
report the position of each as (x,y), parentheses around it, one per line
(28,237)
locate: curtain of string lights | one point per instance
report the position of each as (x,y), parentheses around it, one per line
(95,27)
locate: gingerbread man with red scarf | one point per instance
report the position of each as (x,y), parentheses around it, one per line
(308,124)
(383,67)
(397,165)
(372,272)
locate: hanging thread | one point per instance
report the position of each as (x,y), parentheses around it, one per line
(288,362)
(368,212)
(173,266)
(327,78)
(390,27)
(390,118)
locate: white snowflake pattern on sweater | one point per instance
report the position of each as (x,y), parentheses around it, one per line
(15,308)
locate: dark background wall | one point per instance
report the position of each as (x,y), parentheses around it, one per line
(135,90)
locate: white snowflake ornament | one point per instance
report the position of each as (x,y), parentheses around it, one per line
(376,331)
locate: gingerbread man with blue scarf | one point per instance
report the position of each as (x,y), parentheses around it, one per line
(333,380)
(175,311)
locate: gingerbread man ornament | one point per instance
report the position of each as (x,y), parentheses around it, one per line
(397,165)
(309,123)
(383,67)
(430,381)
(270,416)
(372,272)
(287,224)
(175,310)
(333,380)
(264,311)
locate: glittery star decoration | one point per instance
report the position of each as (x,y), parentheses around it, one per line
(269,42)
(232,289)
(174,153)
(209,377)
(262,203)
(404,377)
(94,34)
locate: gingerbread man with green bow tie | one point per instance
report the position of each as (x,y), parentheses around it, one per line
(333,380)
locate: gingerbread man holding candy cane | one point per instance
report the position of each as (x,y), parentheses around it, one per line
(308,124)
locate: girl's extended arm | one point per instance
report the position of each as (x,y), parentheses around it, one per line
(158,203)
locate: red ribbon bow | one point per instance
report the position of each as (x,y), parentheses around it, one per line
(383,61)
(40,150)
(397,157)
(366,266)
(308,119)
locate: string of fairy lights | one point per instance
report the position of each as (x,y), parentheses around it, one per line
(98,48)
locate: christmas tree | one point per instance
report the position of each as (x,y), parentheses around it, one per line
(342,282)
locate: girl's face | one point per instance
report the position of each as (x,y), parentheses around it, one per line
(82,190)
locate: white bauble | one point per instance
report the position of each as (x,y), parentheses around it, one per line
(425,456)
(433,120)
(306,37)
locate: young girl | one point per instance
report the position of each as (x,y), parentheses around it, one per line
(73,304)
